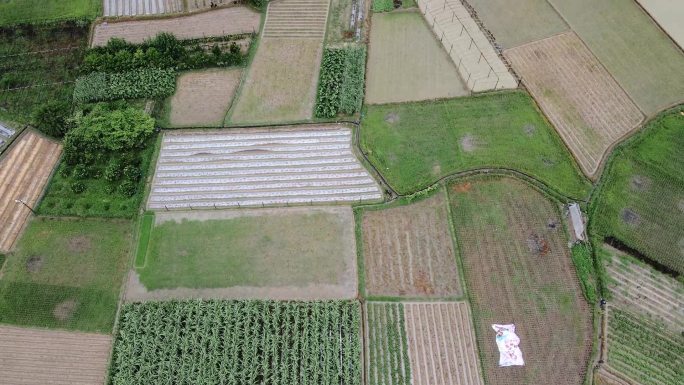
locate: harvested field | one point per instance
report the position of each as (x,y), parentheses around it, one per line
(296,19)
(24,171)
(203,98)
(36,356)
(140,7)
(406,62)
(469,48)
(668,14)
(646,63)
(518,270)
(513,24)
(441,344)
(586,105)
(408,251)
(253,167)
(281,83)
(639,288)
(221,22)
(387,359)
(283,253)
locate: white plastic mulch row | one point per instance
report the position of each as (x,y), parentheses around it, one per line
(141,7)
(277,167)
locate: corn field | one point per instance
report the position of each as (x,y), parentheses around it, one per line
(238,342)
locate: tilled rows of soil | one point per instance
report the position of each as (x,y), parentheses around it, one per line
(296,19)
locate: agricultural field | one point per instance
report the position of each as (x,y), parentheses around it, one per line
(519,23)
(38,357)
(604,376)
(618,32)
(668,15)
(14,12)
(645,352)
(586,106)
(285,253)
(115,8)
(296,19)
(239,342)
(407,63)
(257,167)
(24,171)
(341,83)
(197,5)
(415,144)
(202,98)
(223,22)
(66,273)
(639,201)
(441,344)
(387,360)
(408,250)
(38,64)
(518,270)
(642,290)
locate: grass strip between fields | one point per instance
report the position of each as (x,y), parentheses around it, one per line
(144,234)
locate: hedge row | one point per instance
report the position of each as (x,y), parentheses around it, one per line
(340,87)
(136,84)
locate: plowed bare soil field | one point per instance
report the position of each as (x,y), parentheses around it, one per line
(408,250)
(585,104)
(24,171)
(441,344)
(36,356)
(518,270)
(221,22)
(203,98)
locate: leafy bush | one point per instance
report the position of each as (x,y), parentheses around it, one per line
(340,87)
(136,84)
(127,188)
(78,187)
(53,118)
(584,264)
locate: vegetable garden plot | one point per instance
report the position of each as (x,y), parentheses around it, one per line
(387,359)
(24,171)
(408,251)
(238,342)
(238,168)
(222,22)
(296,19)
(588,108)
(518,270)
(646,63)
(35,356)
(441,344)
(140,7)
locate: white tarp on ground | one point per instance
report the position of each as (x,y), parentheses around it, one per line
(507,342)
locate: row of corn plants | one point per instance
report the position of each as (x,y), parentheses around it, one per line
(340,86)
(387,345)
(238,342)
(136,84)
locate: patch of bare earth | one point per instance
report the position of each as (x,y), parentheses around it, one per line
(39,357)
(34,264)
(203,98)
(585,104)
(469,143)
(65,310)
(80,244)
(408,251)
(630,217)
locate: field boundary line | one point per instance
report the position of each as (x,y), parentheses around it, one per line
(660,27)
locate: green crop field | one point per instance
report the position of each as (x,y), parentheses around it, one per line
(644,351)
(66,274)
(238,342)
(415,144)
(40,11)
(640,201)
(646,63)
(388,360)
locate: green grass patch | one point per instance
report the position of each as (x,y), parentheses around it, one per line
(42,11)
(584,264)
(415,144)
(144,234)
(238,342)
(340,86)
(382,5)
(66,274)
(640,201)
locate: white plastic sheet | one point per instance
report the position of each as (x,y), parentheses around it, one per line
(508,343)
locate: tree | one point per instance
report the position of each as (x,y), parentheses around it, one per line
(53,118)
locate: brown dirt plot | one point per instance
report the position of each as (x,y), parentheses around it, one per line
(408,251)
(203,98)
(586,105)
(509,283)
(221,22)
(441,344)
(24,172)
(35,356)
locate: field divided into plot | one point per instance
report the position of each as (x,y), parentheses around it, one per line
(386,345)
(408,251)
(24,171)
(140,7)
(221,22)
(518,270)
(38,357)
(255,167)
(588,108)
(296,19)
(442,344)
